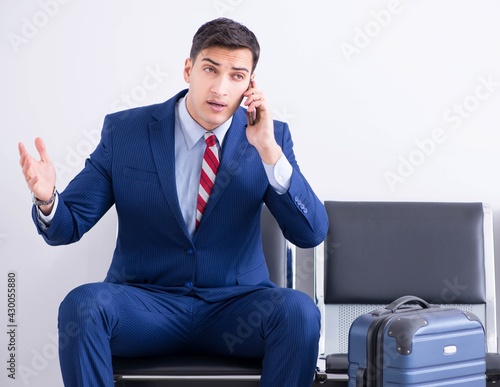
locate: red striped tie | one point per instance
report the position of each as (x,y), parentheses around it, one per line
(209,168)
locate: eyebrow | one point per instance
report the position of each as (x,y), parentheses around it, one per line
(218,64)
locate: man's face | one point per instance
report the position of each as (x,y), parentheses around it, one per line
(217,80)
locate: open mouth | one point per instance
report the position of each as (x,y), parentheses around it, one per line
(217,106)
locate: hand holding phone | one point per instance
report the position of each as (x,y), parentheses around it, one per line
(260,128)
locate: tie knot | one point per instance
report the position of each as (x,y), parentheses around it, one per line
(210,139)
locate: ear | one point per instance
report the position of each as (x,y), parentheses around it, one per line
(188,65)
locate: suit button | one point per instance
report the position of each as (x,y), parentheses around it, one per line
(190,251)
(188,284)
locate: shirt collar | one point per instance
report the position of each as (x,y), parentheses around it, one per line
(193,131)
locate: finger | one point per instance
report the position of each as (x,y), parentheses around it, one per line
(256,104)
(27,170)
(256,99)
(25,161)
(42,150)
(23,153)
(21,148)
(248,92)
(24,158)
(251,89)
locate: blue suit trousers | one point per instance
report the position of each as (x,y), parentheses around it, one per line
(99,320)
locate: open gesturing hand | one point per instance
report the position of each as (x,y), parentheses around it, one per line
(40,175)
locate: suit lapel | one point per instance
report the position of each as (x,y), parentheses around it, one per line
(162,131)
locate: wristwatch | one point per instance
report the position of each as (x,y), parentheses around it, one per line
(37,202)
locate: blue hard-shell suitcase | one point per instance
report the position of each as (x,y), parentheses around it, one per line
(416,345)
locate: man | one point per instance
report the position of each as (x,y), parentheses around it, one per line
(184,271)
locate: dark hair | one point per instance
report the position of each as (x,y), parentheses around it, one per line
(226,33)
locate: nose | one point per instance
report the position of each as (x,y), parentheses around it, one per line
(219,86)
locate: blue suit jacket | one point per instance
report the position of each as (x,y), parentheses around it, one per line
(133,167)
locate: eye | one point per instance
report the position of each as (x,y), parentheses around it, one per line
(209,69)
(239,77)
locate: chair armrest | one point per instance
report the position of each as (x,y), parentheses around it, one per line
(336,363)
(492,367)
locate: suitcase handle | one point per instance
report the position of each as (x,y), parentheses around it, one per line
(397,304)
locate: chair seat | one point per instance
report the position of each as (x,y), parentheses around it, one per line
(194,365)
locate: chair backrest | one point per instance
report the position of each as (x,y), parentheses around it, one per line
(376,252)
(277,250)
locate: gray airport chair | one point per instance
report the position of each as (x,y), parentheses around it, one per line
(197,371)
(376,252)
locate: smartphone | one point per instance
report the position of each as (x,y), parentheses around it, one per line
(252,116)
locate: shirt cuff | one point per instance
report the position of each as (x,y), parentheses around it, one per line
(279,174)
(47,219)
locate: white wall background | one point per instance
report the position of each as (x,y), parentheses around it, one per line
(387,100)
